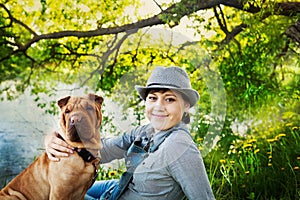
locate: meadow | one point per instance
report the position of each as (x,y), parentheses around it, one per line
(262,165)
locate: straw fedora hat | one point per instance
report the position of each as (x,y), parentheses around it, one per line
(173,78)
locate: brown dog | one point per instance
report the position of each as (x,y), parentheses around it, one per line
(70,178)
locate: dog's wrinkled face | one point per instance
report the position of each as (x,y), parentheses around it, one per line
(81,118)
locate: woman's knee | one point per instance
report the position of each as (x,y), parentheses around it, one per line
(99,188)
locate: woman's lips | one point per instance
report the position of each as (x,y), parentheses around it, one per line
(159,115)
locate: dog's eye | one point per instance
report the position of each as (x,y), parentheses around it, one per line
(67,111)
(90,108)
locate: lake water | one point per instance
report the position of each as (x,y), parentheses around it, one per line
(22,130)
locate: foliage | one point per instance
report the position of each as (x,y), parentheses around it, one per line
(110,173)
(46,42)
(258,166)
(49,62)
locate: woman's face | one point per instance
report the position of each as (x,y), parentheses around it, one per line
(164,108)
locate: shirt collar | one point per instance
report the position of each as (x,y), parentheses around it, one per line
(158,137)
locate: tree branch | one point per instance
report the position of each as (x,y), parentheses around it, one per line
(286,8)
(222,23)
(106,55)
(293,32)
(12,19)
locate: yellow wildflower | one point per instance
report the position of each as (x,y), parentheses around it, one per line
(280,135)
(252,140)
(112,173)
(289,124)
(247,145)
(271,140)
(256,151)
(269,164)
(296,168)
(232,162)
(270,157)
(247,172)
(222,161)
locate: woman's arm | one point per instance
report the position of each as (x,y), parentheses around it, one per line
(115,148)
(188,169)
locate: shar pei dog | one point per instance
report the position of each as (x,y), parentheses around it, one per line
(71,177)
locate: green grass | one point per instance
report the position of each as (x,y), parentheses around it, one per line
(265,167)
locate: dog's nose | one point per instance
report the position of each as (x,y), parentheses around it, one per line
(74,120)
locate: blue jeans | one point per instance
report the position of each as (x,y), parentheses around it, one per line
(100,189)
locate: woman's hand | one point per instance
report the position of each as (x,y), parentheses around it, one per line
(56,147)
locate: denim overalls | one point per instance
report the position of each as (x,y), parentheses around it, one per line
(137,152)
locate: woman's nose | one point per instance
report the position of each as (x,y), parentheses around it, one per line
(159,103)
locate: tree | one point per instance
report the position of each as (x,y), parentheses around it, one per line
(46,42)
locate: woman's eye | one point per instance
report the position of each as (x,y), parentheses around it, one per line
(170,99)
(151,98)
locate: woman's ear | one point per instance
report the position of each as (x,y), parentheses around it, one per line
(187,106)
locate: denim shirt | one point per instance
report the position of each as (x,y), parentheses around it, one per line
(174,170)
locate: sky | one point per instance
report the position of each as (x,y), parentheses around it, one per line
(149,7)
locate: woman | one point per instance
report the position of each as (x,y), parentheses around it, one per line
(161,158)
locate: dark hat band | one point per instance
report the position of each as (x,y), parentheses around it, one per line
(162,84)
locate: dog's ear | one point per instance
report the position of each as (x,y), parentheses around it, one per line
(62,102)
(96,98)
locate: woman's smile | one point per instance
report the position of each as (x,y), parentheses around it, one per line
(159,115)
